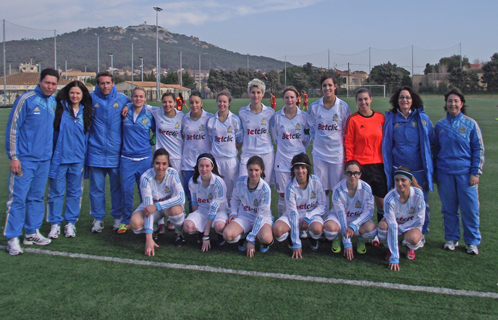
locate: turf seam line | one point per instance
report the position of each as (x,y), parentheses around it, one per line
(361,283)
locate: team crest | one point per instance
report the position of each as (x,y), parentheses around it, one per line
(37,110)
(415,124)
(412,210)
(115,105)
(210,196)
(424,123)
(313,195)
(298,126)
(144,121)
(335,118)
(358,204)
(462,130)
(255,203)
(396,126)
(177,125)
(201,127)
(263,122)
(167,189)
(230,129)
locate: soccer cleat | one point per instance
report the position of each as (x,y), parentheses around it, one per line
(303,234)
(14,247)
(360,247)
(410,254)
(472,249)
(55,230)
(179,241)
(123,228)
(451,245)
(375,242)
(220,242)
(98,226)
(336,246)
(242,245)
(70,230)
(388,256)
(171,227)
(116,225)
(314,244)
(36,238)
(161,229)
(265,247)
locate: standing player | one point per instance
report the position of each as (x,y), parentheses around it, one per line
(225,132)
(299,100)
(251,210)
(305,101)
(209,201)
(305,206)
(273,101)
(290,134)
(255,119)
(326,119)
(162,196)
(180,102)
(195,139)
(28,140)
(104,149)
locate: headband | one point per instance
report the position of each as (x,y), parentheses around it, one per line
(205,158)
(403,173)
(301,163)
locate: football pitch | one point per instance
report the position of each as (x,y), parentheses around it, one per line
(106,275)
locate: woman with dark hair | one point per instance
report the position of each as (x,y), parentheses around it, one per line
(327,119)
(251,210)
(180,102)
(73,119)
(195,139)
(404,215)
(459,158)
(305,206)
(209,202)
(363,143)
(162,196)
(352,212)
(408,141)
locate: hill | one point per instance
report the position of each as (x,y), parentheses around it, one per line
(80,48)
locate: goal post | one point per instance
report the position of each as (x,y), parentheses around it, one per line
(375,89)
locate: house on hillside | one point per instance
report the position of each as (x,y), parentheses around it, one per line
(78,75)
(150,89)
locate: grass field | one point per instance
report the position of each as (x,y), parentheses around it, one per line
(44,286)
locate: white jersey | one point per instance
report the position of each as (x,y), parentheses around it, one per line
(224,135)
(327,130)
(304,204)
(401,217)
(213,198)
(352,211)
(253,205)
(256,130)
(288,135)
(164,195)
(168,131)
(195,139)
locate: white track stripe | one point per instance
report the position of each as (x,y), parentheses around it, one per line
(360,283)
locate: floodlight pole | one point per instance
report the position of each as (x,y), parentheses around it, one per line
(285,71)
(112,62)
(66,68)
(132,70)
(142,62)
(181,72)
(55,50)
(4,68)
(85,73)
(157,51)
(98,54)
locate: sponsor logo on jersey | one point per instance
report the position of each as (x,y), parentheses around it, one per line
(201,127)
(169,133)
(96,105)
(335,118)
(412,210)
(248,208)
(362,126)
(291,136)
(177,125)
(127,119)
(223,139)
(167,189)
(307,206)
(353,214)
(257,131)
(442,131)
(200,200)
(358,204)
(200,136)
(313,195)
(263,122)
(403,220)
(396,126)
(424,123)
(115,105)
(462,130)
(144,121)
(328,127)
(298,126)
(37,109)
(230,129)
(415,124)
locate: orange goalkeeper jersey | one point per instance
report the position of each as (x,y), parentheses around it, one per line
(363,138)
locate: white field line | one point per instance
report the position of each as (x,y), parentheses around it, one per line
(360,283)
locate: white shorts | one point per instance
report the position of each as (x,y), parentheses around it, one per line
(248,224)
(333,217)
(177,164)
(285,219)
(268,159)
(156,216)
(330,174)
(229,169)
(199,218)
(282,179)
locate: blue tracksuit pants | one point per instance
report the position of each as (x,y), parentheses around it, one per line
(97,192)
(187,175)
(131,171)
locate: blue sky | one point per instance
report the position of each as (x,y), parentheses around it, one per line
(302,30)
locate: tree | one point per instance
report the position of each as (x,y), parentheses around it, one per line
(170,78)
(388,74)
(272,80)
(188,80)
(467,81)
(490,75)
(453,62)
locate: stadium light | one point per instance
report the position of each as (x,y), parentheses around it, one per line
(157,50)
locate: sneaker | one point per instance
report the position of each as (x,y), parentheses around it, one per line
(410,254)
(313,244)
(242,245)
(161,229)
(14,247)
(451,245)
(98,226)
(472,249)
(220,242)
(179,241)
(265,247)
(171,227)
(70,230)
(336,246)
(375,243)
(116,225)
(360,247)
(123,228)
(303,234)
(36,238)
(55,230)
(388,256)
